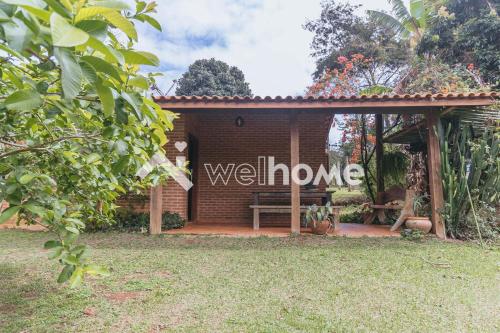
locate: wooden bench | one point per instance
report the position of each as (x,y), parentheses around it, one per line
(257,209)
(279,209)
(285,195)
(378,210)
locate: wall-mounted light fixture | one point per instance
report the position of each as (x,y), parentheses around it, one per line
(239,122)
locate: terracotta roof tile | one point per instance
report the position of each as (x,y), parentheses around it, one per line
(280,99)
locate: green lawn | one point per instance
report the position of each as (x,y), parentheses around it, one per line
(210,284)
(342,193)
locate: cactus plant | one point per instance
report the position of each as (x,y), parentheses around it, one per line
(470,172)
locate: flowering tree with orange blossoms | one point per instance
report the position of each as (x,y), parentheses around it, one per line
(357,139)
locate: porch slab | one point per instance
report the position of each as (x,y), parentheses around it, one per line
(22,226)
(353,230)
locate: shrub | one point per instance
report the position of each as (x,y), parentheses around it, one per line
(172,221)
(487,223)
(351,214)
(129,221)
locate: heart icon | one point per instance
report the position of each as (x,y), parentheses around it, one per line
(180,145)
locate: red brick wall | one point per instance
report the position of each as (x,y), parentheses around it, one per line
(265,133)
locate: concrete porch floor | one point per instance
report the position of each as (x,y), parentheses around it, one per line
(346,229)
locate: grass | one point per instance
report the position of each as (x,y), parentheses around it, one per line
(342,194)
(211,284)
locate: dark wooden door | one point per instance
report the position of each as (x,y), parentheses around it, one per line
(193,168)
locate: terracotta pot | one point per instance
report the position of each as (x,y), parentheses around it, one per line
(419,223)
(321,228)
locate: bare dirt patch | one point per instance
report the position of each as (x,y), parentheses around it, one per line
(122,296)
(144,276)
(7,308)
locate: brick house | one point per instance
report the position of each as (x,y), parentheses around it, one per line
(226,138)
(239,130)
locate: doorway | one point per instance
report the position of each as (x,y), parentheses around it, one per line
(193,168)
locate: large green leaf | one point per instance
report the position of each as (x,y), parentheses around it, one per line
(89,73)
(23,100)
(109,54)
(140,58)
(102,66)
(58,8)
(3,16)
(51,244)
(17,34)
(116,19)
(8,213)
(14,79)
(134,100)
(65,273)
(153,22)
(116,4)
(96,270)
(418,11)
(33,3)
(26,178)
(11,51)
(89,12)
(35,209)
(106,97)
(71,73)
(38,12)
(64,34)
(139,81)
(76,278)
(95,28)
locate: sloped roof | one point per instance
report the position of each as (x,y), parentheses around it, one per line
(478,118)
(328,102)
(328,98)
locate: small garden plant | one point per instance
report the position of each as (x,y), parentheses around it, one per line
(320,218)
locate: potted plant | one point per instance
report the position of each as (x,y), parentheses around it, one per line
(320,218)
(421,219)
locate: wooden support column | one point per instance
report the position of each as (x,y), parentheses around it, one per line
(434,170)
(155,210)
(379,155)
(294,159)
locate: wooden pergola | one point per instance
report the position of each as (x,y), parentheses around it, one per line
(431,106)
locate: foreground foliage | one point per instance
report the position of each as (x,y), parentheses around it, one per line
(76,121)
(210,284)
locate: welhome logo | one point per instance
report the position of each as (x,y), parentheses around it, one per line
(264,173)
(266,170)
(176,173)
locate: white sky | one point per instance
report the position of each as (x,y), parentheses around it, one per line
(264,38)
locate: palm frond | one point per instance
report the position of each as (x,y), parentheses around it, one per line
(399,9)
(388,21)
(419,12)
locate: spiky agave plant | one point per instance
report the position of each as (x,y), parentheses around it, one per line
(470,171)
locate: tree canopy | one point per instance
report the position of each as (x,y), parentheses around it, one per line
(468,33)
(76,119)
(340,33)
(213,77)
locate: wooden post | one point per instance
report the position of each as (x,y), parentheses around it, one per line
(379,155)
(434,169)
(155,210)
(256,219)
(294,159)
